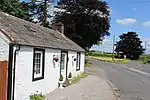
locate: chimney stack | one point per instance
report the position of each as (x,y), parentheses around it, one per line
(59,27)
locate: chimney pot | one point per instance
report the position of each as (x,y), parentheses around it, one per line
(59,27)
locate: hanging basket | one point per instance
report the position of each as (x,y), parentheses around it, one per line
(75,59)
(55,59)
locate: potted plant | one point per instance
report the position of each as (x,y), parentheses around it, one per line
(70,77)
(61,81)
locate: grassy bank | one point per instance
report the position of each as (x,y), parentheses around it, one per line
(109,59)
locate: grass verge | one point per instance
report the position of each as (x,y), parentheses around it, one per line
(37,97)
(88,64)
(79,77)
(109,59)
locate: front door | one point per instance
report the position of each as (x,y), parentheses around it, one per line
(3,80)
(63,64)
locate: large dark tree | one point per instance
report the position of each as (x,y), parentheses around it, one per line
(86,21)
(129,45)
(15,8)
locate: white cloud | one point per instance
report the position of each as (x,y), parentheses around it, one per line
(147,40)
(134,9)
(106,46)
(146,24)
(127,21)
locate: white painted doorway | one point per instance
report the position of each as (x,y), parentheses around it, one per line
(64,64)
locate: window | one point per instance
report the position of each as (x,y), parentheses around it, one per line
(78,61)
(38,64)
(62,61)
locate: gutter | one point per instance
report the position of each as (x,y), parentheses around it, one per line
(14,71)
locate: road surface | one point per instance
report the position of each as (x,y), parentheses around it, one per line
(133,86)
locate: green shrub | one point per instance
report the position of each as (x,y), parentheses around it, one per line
(70,75)
(143,57)
(145,61)
(37,97)
(61,78)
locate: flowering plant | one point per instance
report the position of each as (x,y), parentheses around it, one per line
(55,59)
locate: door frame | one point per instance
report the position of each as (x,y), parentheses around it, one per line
(66,62)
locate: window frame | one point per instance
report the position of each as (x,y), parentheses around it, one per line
(78,61)
(43,64)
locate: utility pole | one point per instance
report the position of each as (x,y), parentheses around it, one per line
(113,47)
(145,49)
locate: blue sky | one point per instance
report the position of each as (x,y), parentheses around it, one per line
(128,15)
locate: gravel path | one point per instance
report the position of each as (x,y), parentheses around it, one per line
(90,88)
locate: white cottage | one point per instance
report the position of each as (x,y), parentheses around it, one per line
(28,56)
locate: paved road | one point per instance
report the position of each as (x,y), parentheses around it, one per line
(133,86)
(139,66)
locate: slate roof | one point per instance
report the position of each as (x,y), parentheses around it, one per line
(26,33)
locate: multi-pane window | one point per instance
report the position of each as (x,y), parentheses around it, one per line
(63,61)
(38,64)
(78,61)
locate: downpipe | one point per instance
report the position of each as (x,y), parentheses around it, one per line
(14,70)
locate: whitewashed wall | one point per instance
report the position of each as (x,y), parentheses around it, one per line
(4,48)
(72,63)
(24,66)
(82,61)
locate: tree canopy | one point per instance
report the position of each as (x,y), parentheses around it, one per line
(15,8)
(130,45)
(86,21)
(39,10)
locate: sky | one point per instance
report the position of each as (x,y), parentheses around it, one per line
(127,15)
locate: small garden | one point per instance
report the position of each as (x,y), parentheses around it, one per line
(71,80)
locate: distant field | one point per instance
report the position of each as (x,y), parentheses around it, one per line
(109,59)
(98,54)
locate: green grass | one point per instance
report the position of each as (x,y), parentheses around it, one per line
(88,65)
(109,59)
(98,54)
(37,97)
(79,77)
(145,59)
